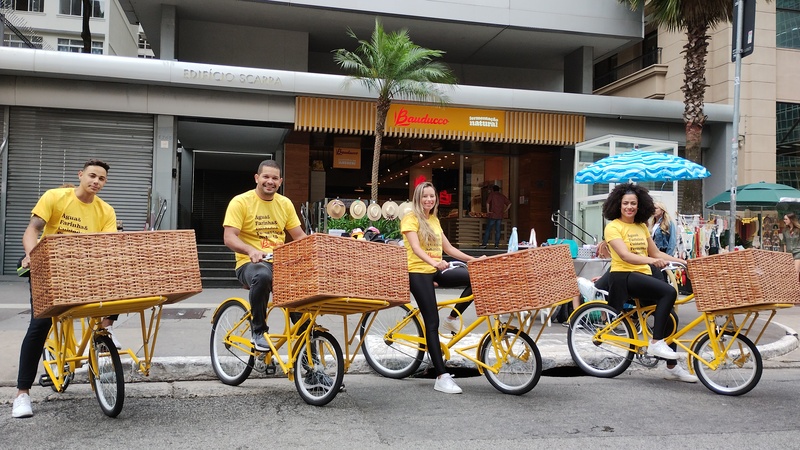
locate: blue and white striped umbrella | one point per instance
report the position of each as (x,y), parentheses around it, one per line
(641,166)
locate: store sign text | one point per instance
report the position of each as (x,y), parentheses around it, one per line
(230,77)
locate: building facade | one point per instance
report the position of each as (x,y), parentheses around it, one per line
(233,83)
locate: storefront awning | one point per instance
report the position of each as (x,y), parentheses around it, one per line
(435,122)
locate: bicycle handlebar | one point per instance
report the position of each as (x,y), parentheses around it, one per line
(672,265)
(454,265)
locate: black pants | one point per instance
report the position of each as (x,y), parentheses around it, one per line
(650,290)
(258,278)
(31,349)
(424,293)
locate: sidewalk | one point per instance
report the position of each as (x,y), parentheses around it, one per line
(182,346)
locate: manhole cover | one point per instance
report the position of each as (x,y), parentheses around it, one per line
(183,313)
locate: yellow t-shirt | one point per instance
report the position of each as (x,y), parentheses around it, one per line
(434,250)
(634,235)
(261,223)
(63,213)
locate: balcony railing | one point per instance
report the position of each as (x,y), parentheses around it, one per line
(623,70)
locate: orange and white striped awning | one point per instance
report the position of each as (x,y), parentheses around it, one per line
(435,122)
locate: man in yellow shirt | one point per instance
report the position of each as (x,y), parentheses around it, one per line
(59,211)
(255,223)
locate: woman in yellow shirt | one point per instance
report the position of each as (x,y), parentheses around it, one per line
(633,254)
(425,242)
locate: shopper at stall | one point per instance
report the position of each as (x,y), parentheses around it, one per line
(425,241)
(59,211)
(791,238)
(497,205)
(633,251)
(663,230)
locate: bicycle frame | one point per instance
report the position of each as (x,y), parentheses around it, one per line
(707,319)
(496,331)
(296,338)
(70,353)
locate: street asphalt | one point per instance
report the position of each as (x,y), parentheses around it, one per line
(182,345)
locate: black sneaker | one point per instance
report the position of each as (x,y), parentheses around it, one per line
(483,246)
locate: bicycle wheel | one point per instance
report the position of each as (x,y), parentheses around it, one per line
(319,381)
(106,377)
(590,353)
(232,361)
(521,362)
(389,356)
(738,373)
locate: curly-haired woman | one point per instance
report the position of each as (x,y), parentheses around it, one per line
(633,252)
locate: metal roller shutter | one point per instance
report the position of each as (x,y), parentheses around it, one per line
(47,147)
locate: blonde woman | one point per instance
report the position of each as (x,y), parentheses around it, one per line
(791,238)
(663,230)
(425,242)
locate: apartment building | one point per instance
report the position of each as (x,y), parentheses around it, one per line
(236,82)
(769,134)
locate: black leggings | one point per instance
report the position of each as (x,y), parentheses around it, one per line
(650,290)
(424,293)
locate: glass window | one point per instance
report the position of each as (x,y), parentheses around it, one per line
(12,40)
(787,135)
(75,8)
(787,19)
(76,46)
(23,5)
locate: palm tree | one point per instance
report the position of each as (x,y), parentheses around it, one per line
(695,18)
(393,66)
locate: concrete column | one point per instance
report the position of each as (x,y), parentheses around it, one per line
(579,71)
(165,164)
(168,48)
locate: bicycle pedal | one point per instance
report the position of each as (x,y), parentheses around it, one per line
(271,369)
(45,381)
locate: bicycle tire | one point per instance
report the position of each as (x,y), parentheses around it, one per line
(738,374)
(231,363)
(319,382)
(390,358)
(604,360)
(521,372)
(107,377)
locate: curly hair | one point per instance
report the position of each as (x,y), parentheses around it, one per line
(612,207)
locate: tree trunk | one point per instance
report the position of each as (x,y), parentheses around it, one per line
(694,89)
(86,34)
(382,110)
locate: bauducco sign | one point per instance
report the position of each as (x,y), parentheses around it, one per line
(405,117)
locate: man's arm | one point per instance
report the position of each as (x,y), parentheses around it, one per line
(296,233)
(233,242)
(31,237)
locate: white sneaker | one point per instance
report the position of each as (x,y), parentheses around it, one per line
(662,350)
(678,373)
(450,325)
(446,384)
(22,406)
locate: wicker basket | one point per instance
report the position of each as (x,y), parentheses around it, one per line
(323,266)
(744,278)
(74,269)
(523,280)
